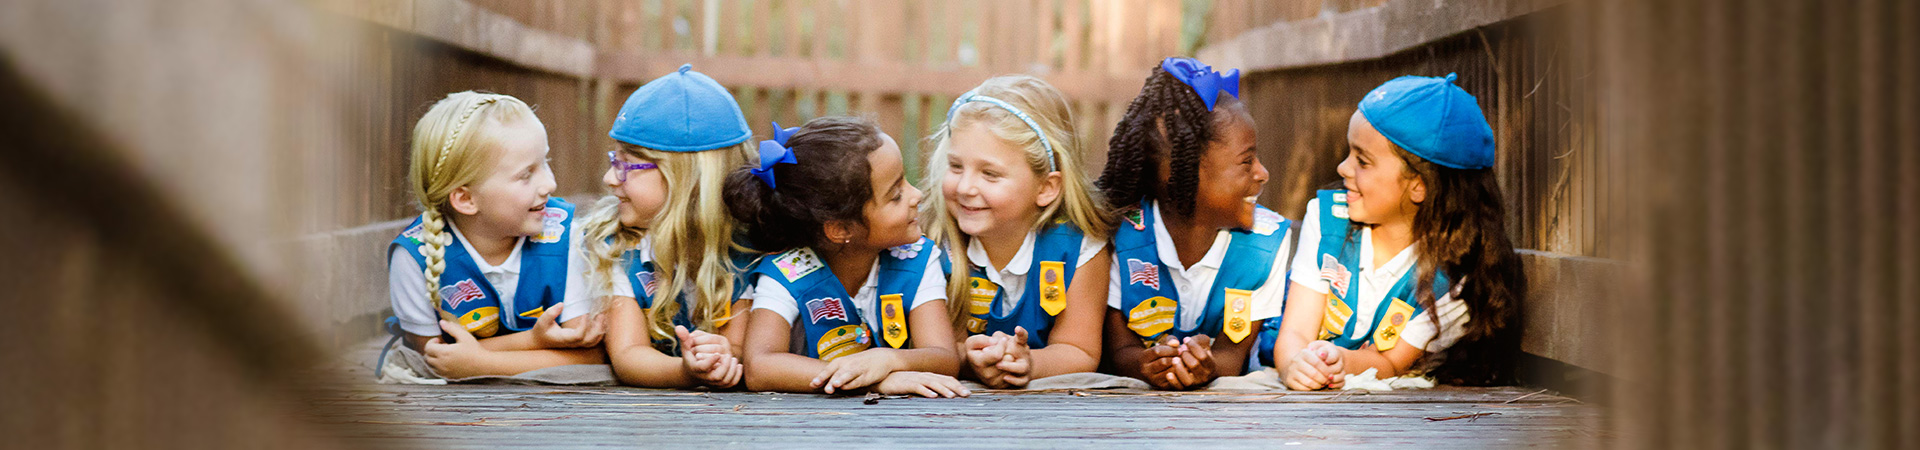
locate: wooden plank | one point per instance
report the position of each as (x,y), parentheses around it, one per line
(1361,34)
(884,76)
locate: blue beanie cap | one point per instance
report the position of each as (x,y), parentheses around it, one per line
(684,111)
(1432,118)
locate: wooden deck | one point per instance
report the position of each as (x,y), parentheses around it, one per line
(568,417)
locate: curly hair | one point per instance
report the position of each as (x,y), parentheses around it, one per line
(830,182)
(1167,120)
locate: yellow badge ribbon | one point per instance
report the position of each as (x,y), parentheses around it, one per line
(893,320)
(1053,287)
(1239,309)
(1387,334)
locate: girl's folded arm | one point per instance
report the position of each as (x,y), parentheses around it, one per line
(630,349)
(769,366)
(1074,345)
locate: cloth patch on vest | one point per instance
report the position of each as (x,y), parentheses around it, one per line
(798,263)
(1334,322)
(1388,336)
(1133,217)
(1239,314)
(555,227)
(976,325)
(1053,287)
(1340,211)
(893,320)
(1153,316)
(482,322)
(1142,272)
(906,252)
(825,308)
(843,341)
(646,281)
(981,293)
(461,293)
(414,232)
(1265,221)
(1335,273)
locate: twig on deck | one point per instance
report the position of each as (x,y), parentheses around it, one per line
(1515,399)
(1469,417)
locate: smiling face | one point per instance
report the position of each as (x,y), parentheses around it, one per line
(1380,187)
(989,188)
(889,215)
(512,199)
(642,195)
(1230,173)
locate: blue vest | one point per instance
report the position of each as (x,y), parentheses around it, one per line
(640,275)
(1339,255)
(833,325)
(466,295)
(1149,299)
(1056,249)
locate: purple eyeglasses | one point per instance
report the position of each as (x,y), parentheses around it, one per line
(622,167)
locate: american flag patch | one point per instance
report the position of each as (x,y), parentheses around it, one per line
(460,293)
(825,308)
(646,281)
(1143,272)
(1335,274)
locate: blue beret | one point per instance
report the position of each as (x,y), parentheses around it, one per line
(1432,118)
(684,111)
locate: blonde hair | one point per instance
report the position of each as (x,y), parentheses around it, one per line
(450,149)
(1079,203)
(692,238)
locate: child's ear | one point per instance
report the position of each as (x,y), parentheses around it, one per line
(1049,190)
(463,202)
(1417,190)
(839,231)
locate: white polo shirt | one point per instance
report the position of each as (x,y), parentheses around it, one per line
(1197,282)
(770,295)
(1374,282)
(407,285)
(1013,278)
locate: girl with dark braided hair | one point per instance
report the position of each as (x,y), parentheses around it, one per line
(1183,173)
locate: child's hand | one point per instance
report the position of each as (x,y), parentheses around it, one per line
(855,371)
(457,359)
(925,384)
(1335,359)
(583,331)
(1308,369)
(708,357)
(1159,362)
(1196,358)
(1017,364)
(984,354)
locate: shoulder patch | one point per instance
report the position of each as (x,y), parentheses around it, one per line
(459,293)
(554,228)
(1133,217)
(908,251)
(1265,221)
(797,263)
(647,282)
(1335,274)
(413,233)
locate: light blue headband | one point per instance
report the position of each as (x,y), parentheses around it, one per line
(1022,115)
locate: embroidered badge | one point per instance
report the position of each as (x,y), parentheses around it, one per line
(981,292)
(798,263)
(1053,287)
(646,282)
(1153,316)
(460,293)
(1142,272)
(1265,221)
(1335,274)
(413,233)
(1133,217)
(976,325)
(842,341)
(1340,211)
(825,308)
(1334,322)
(554,227)
(893,320)
(1239,315)
(1388,336)
(482,322)
(908,251)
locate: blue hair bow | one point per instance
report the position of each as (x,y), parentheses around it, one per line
(774,151)
(1203,79)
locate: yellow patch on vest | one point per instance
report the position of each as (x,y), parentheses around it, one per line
(1387,334)
(982,292)
(1053,287)
(893,320)
(1334,322)
(1153,316)
(482,322)
(842,341)
(1239,309)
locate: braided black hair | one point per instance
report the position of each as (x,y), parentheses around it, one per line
(1169,119)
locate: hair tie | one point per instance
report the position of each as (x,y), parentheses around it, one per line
(774,151)
(1203,79)
(969,97)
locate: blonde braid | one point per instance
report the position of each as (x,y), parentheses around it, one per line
(440,160)
(433,248)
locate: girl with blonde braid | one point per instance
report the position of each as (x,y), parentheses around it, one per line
(479,171)
(661,251)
